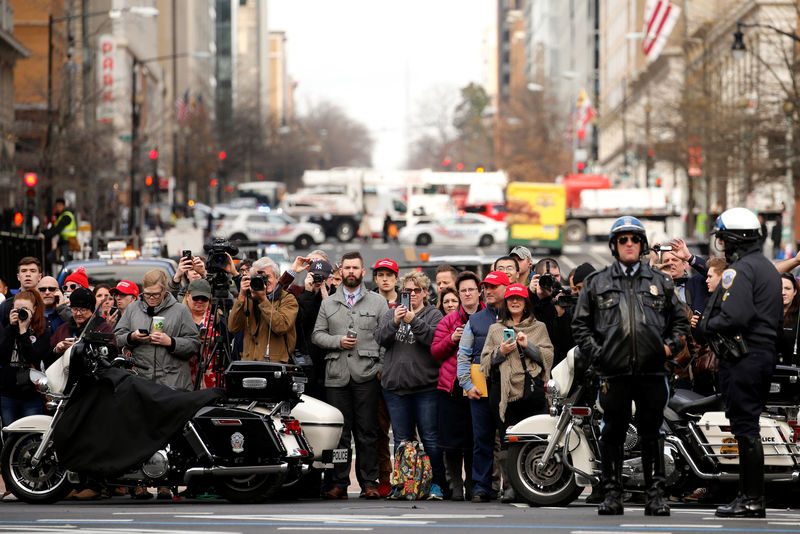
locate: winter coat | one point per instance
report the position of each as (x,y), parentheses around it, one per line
(512,374)
(165,365)
(272,330)
(365,360)
(443,348)
(408,366)
(31,350)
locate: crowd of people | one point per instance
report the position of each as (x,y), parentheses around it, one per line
(452,371)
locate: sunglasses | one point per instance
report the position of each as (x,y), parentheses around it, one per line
(415,290)
(70,287)
(635,239)
(48,289)
(199,298)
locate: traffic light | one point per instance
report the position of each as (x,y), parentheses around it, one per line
(580,166)
(479,169)
(154,154)
(459,166)
(148,180)
(152,180)
(446,162)
(30,179)
(213,182)
(222,155)
(18,218)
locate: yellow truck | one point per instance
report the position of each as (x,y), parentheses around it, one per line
(536,213)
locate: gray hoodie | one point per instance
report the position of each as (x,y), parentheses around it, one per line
(408,366)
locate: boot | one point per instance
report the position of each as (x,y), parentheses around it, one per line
(750,500)
(653,466)
(612,480)
(452,465)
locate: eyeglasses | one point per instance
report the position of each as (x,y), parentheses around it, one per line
(48,289)
(509,269)
(152,295)
(468,290)
(200,298)
(415,290)
(635,239)
(70,287)
(80,311)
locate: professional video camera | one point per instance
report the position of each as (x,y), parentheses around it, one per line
(218,249)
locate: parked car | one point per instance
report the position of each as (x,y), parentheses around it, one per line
(268,226)
(467,229)
(111,271)
(493,210)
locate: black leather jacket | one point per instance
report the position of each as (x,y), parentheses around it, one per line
(623,324)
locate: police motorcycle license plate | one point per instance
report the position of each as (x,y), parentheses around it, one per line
(335,456)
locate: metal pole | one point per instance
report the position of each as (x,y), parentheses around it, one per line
(792,206)
(48,140)
(134,149)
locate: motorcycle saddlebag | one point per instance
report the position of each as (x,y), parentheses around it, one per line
(234,436)
(264,381)
(784,388)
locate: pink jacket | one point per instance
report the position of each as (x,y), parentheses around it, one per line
(443,348)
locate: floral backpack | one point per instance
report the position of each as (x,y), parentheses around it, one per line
(412,476)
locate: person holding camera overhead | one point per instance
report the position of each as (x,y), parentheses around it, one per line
(265,313)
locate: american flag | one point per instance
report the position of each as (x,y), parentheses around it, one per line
(660,17)
(182,107)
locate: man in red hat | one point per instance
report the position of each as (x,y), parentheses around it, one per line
(469,353)
(124,293)
(385,274)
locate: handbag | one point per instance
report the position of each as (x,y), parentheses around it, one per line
(529,386)
(705,361)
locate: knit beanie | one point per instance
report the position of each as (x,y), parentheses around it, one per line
(79,277)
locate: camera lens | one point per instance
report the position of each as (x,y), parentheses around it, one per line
(23,314)
(317,278)
(257,283)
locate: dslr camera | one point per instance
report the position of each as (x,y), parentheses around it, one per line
(23,314)
(548,282)
(258,283)
(317,278)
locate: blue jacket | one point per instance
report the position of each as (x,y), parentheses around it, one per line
(472,341)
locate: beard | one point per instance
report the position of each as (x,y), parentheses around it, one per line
(352,281)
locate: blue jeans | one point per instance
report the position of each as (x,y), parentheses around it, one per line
(483,433)
(418,411)
(13,409)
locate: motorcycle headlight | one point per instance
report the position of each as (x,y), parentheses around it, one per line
(41,385)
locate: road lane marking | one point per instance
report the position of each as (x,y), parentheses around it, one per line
(159,513)
(675,525)
(73,520)
(325,528)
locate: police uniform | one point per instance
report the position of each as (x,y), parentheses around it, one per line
(741,322)
(622,321)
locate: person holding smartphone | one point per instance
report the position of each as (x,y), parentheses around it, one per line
(455,417)
(410,375)
(517,357)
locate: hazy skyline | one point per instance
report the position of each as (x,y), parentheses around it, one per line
(377,59)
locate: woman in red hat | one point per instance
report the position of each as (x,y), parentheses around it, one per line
(517,358)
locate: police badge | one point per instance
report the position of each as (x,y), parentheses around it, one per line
(654,291)
(727,278)
(237,442)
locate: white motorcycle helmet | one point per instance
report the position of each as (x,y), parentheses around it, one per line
(738,228)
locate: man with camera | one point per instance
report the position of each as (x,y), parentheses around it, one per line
(345,328)
(265,313)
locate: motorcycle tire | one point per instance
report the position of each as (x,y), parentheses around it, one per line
(249,489)
(44,484)
(553,485)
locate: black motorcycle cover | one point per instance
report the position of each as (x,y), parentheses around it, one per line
(118,421)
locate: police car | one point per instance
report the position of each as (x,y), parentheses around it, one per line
(466,229)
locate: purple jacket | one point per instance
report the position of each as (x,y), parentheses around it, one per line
(443,348)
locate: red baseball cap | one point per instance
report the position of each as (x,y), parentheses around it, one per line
(386,263)
(516,290)
(496,278)
(126,287)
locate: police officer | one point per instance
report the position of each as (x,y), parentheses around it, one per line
(741,323)
(629,322)
(66,228)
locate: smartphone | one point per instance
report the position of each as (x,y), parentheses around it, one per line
(508,334)
(187,254)
(70,339)
(113,310)
(352,333)
(405,299)
(144,332)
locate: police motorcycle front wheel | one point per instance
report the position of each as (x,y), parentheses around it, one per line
(44,484)
(550,485)
(249,489)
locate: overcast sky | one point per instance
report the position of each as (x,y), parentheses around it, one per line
(377,59)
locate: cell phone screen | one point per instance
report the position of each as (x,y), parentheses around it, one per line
(405,299)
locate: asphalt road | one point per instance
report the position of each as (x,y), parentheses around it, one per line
(122,515)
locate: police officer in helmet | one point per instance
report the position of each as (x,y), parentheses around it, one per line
(741,322)
(629,322)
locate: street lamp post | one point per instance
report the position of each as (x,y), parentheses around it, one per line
(739,49)
(135,116)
